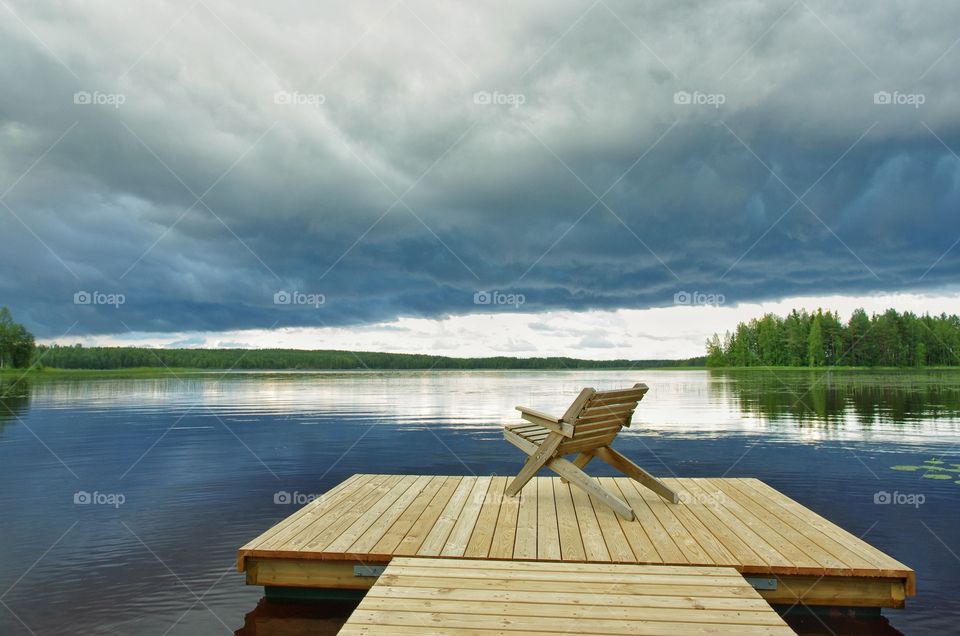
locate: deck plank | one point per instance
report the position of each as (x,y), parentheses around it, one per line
(482,536)
(399,529)
(525,544)
(742,523)
(374,514)
(505,533)
(811,519)
(571,543)
(515,597)
(418,532)
(759,544)
(548,529)
(345,518)
(807,542)
(456,543)
(328,514)
(437,537)
(305,515)
(701,507)
(593,542)
(666,547)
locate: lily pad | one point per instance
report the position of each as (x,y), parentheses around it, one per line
(933,461)
(936,476)
(907,469)
(937,468)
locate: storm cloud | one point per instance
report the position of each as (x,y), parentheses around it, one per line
(224,166)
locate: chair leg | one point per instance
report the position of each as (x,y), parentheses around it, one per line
(580,461)
(577,477)
(633,471)
(534,463)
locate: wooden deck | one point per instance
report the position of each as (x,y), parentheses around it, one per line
(469,596)
(745,524)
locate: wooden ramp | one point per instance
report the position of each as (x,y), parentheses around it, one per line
(468,596)
(789,553)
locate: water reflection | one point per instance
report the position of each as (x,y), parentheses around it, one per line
(831,397)
(294,618)
(14,400)
(319,618)
(199,461)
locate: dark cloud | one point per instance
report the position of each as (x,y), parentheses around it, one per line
(303,196)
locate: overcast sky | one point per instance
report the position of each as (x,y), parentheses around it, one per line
(627,177)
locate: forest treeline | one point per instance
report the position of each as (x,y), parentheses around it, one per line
(821,339)
(16,343)
(78,357)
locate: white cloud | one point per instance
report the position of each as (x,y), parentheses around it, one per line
(667,332)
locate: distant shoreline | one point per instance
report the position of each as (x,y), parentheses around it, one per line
(139,360)
(156,372)
(50,373)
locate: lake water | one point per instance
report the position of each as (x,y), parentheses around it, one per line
(181,472)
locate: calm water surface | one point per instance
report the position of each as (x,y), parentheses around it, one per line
(181,472)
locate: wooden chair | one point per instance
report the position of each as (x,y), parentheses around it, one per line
(587,428)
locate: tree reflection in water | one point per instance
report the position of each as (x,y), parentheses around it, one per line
(831,397)
(14,400)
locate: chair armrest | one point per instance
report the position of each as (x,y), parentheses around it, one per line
(547,421)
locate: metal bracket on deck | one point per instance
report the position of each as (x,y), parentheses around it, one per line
(368,570)
(762,583)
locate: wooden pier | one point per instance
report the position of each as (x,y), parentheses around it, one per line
(788,553)
(469,596)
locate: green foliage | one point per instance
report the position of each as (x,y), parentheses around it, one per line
(16,343)
(890,339)
(815,347)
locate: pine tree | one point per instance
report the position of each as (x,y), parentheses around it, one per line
(815,350)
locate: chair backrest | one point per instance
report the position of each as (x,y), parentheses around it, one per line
(597,416)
